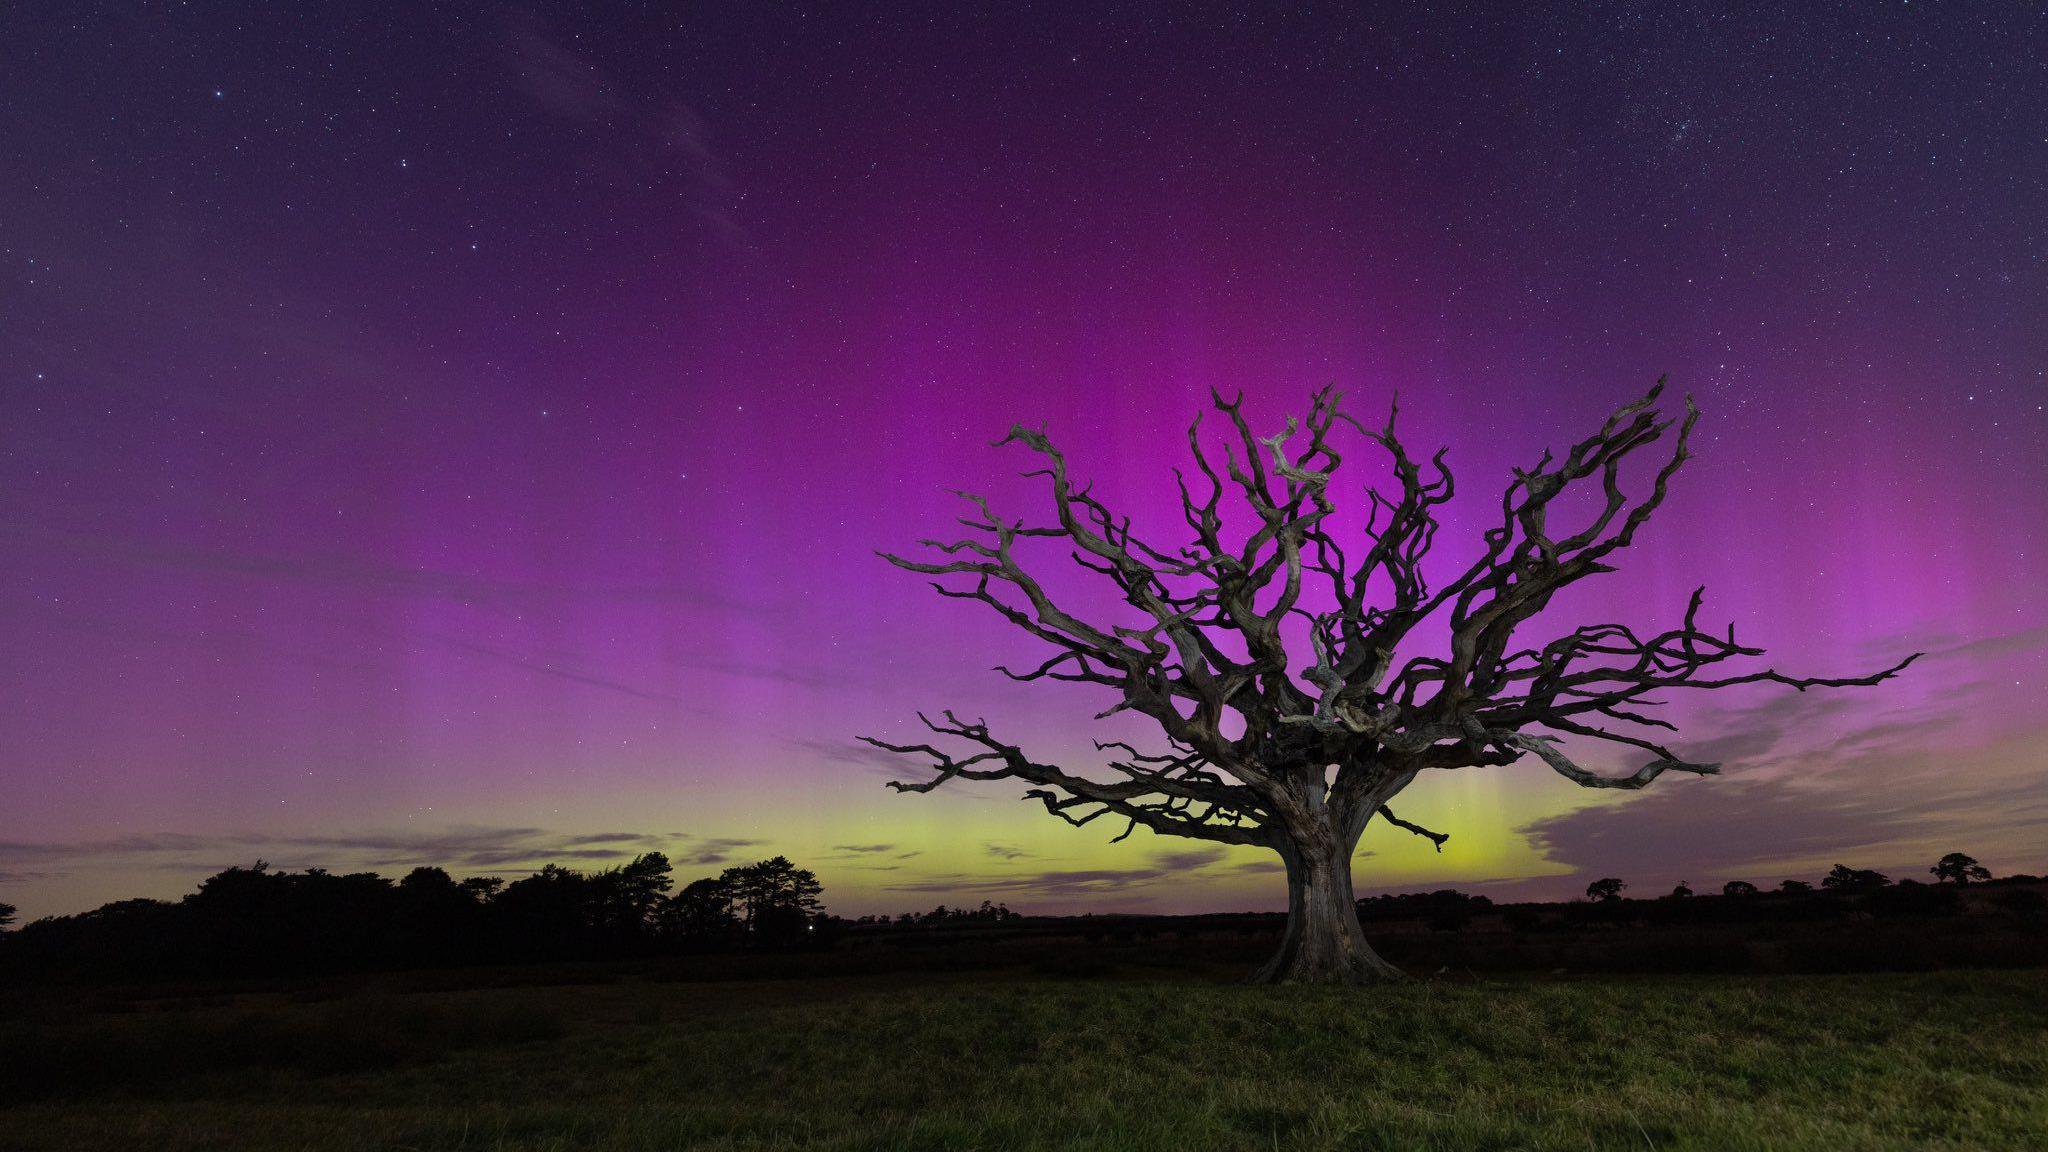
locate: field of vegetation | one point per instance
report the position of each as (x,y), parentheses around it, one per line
(623,1057)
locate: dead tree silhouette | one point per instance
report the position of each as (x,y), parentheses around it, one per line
(1271,661)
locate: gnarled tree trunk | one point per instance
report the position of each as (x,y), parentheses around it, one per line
(1323,943)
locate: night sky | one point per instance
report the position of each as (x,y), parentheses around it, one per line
(460,434)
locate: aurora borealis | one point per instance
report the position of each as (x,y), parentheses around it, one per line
(461,435)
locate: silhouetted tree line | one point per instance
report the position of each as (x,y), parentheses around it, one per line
(988,913)
(258,920)
(1955,869)
(1844,890)
(1445,910)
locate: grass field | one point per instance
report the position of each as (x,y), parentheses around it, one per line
(994,1062)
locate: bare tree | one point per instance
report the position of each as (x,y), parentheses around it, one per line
(1268,747)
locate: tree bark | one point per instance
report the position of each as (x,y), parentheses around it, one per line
(1323,943)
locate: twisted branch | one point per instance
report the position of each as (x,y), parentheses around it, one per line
(1253,732)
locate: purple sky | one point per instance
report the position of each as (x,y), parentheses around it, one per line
(462,438)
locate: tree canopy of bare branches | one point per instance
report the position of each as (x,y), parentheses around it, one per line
(1300,750)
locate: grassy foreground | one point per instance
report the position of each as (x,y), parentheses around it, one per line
(1834,1062)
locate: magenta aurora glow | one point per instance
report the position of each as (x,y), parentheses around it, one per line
(469,446)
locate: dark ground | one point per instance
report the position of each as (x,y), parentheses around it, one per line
(1643,1025)
(645,1057)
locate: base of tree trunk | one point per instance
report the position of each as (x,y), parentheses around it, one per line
(1366,967)
(1324,943)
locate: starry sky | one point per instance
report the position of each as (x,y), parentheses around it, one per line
(459,433)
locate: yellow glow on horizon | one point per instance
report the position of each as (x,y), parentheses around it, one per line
(970,842)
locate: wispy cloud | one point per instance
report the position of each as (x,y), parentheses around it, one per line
(573,87)
(871,857)
(608,838)
(718,850)
(1871,800)
(822,679)
(461,847)
(1889,777)
(1176,865)
(889,765)
(559,80)
(1057,883)
(1768,729)
(555,670)
(339,571)
(1188,859)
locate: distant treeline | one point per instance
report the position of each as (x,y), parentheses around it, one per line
(257,920)
(988,913)
(1844,891)
(1956,869)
